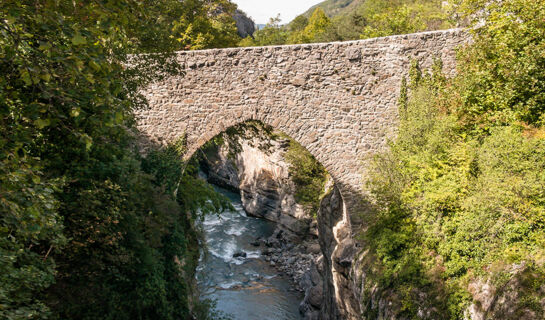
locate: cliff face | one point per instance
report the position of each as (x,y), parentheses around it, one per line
(257,169)
(253,163)
(338,249)
(245,25)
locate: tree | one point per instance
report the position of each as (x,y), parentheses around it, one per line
(76,207)
(271,34)
(298,24)
(384,18)
(203,24)
(505,72)
(317,25)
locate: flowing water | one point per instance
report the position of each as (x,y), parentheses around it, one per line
(246,288)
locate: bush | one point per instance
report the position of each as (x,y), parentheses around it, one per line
(460,193)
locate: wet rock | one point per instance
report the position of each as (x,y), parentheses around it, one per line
(316,296)
(240,254)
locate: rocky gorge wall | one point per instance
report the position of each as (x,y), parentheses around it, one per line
(314,248)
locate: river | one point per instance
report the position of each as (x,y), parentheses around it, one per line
(246,288)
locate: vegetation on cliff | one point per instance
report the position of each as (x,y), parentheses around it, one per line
(460,194)
(88,229)
(308,175)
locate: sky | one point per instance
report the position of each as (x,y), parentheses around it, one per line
(261,10)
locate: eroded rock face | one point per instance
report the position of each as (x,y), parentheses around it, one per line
(245,25)
(511,300)
(340,300)
(256,167)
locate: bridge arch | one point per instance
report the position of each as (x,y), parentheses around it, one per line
(339,100)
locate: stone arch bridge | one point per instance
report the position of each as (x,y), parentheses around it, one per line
(339,100)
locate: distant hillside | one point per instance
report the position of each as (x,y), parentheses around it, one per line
(341,20)
(335,7)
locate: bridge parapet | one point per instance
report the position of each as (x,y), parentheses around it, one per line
(339,100)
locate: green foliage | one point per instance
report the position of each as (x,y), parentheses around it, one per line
(133,250)
(29,228)
(316,26)
(77,209)
(204,24)
(384,18)
(505,80)
(298,24)
(271,34)
(460,193)
(308,175)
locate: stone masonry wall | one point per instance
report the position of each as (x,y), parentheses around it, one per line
(337,99)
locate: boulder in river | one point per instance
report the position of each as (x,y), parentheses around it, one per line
(240,254)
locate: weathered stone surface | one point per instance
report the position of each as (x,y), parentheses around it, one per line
(337,99)
(508,301)
(245,25)
(339,300)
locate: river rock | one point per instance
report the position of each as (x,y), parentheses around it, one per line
(314,248)
(240,254)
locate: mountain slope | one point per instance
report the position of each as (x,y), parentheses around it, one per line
(335,7)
